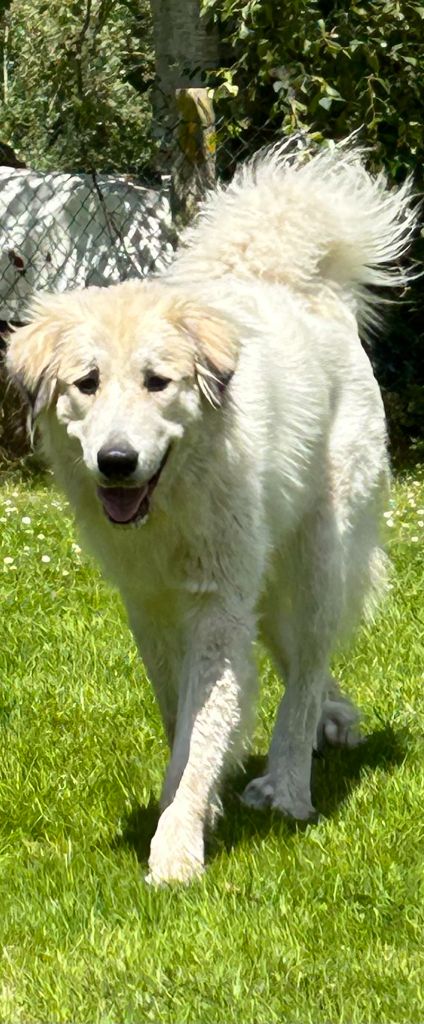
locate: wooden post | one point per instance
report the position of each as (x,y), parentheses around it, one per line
(194,153)
(186,49)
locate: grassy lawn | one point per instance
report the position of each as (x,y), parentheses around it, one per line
(324,925)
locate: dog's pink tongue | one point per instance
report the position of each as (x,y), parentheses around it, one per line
(122,503)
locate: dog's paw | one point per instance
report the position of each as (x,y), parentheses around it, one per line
(301,810)
(259,793)
(263,792)
(338,725)
(176,851)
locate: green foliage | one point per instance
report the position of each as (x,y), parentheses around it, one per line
(327,68)
(13,417)
(330,68)
(69,75)
(76,96)
(399,366)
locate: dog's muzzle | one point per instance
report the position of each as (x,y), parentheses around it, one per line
(125,505)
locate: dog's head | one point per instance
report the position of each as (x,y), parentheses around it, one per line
(123,371)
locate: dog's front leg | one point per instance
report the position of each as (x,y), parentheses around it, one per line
(211,723)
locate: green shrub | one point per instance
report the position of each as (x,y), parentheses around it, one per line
(331,68)
(13,433)
(327,68)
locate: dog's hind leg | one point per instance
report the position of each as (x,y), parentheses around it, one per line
(340,719)
(303,642)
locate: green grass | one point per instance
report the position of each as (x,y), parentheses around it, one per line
(324,925)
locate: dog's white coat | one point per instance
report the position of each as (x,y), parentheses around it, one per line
(265,519)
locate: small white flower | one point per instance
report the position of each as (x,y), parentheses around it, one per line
(26,520)
(40,536)
(76,548)
(26,548)
(421,522)
(45,558)
(65,572)
(414,540)
(8,560)
(390,522)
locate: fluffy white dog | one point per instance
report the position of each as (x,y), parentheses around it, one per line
(220,435)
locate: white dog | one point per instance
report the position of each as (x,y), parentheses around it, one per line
(220,435)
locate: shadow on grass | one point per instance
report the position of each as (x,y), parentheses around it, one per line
(337,772)
(335,775)
(139,830)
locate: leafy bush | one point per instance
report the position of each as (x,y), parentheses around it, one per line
(74,84)
(76,95)
(13,432)
(327,68)
(331,68)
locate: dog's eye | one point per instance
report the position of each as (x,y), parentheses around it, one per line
(153,382)
(88,385)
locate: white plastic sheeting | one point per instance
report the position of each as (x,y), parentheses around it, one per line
(60,231)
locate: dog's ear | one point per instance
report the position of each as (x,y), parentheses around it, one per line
(31,358)
(216,351)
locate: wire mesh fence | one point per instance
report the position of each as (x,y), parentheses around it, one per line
(61,230)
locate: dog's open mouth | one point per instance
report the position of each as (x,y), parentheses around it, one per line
(125,505)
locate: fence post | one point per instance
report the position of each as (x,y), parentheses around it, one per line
(187,48)
(193,169)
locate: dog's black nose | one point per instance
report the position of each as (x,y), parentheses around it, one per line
(118,461)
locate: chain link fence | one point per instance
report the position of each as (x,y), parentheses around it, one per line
(60,230)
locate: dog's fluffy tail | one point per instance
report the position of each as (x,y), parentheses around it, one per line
(307,217)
